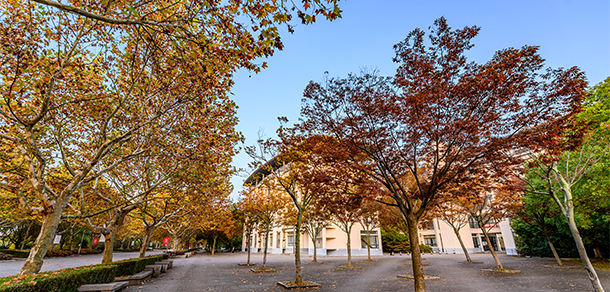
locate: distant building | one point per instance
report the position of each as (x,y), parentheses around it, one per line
(440,236)
(331,242)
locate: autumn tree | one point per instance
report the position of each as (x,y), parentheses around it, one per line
(439,116)
(80,79)
(316,218)
(368,217)
(268,202)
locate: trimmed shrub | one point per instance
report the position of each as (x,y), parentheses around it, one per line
(423,248)
(59,253)
(67,280)
(16,252)
(134,266)
(5,257)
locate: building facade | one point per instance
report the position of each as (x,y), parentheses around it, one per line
(331,242)
(440,236)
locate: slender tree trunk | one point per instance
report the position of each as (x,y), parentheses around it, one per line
(418,269)
(349,244)
(568,213)
(491,248)
(297,247)
(368,244)
(34,262)
(214,245)
(582,252)
(27,232)
(249,246)
(266,245)
(315,253)
(459,237)
(146,240)
(548,239)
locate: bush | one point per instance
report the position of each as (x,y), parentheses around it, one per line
(134,266)
(16,252)
(4,257)
(66,280)
(87,251)
(59,253)
(423,248)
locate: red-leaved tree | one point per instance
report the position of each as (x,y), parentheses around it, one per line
(439,116)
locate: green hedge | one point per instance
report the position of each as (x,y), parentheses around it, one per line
(423,248)
(16,252)
(67,280)
(134,266)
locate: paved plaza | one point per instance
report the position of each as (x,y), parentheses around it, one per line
(204,272)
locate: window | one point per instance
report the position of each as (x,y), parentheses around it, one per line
(278,239)
(290,239)
(364,239)
(271,239)
(430,240)
(475,240)
(318,242)
(473,223)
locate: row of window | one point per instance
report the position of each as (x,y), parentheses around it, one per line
(365,237)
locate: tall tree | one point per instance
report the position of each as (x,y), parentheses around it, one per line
(81,79)
(440,115)
(562,156)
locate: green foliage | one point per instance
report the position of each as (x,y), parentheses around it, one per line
(531,242)
(424,248)
(134,266)
(16,252)
(394,240)
(66,280)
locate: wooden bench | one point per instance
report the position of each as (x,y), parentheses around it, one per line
(136,279)
(106,287)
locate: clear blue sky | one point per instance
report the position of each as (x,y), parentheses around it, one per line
(568,32)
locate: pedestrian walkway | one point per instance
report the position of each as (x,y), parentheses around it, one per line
(11,268)
(221,273)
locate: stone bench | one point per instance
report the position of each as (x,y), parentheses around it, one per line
(170,263)
(188,254)
(136,279)
(165,266)
(106,287)
(155,268)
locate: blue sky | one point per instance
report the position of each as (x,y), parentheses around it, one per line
(569,33)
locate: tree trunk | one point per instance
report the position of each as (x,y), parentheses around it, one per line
(214,245)
(418,270)
(349,244)
(597,252)
(568,213)
(266,245)
(146,240)
(27,232)
(34,262)
(315,252)
(249,246)
(580,246)
(368,244)
(491,248)
(459,237)
(297,247)
(108,247)
(548,239)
